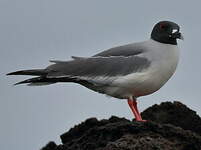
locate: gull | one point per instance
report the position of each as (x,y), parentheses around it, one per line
(124,72)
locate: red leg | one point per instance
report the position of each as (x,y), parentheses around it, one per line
(133,105)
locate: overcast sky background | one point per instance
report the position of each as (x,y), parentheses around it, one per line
(32,32)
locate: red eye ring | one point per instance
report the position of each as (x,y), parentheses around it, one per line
(162,26)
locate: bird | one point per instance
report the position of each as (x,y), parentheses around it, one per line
(123,72)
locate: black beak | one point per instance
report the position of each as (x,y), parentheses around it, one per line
(177,35)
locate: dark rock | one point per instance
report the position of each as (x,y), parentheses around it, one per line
(50,146)
(122,134)
(174,113)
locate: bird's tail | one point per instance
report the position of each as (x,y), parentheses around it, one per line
(37,81)
(33,72)
(40,80)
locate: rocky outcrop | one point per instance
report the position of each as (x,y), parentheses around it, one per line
(173,126)
(176,114)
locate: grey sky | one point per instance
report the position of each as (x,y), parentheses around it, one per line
(35,31)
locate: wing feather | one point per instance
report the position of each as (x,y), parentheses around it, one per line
(98,69)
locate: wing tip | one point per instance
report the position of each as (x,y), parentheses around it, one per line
(21,82)
(12,73)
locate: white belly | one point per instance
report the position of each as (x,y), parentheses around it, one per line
(164,62)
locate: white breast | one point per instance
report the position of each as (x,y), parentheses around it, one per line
(164,59)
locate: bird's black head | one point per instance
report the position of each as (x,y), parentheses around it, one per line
(166,32)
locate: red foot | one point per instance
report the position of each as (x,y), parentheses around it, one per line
(133,105)
(141,120)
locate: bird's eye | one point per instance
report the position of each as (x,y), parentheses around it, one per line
(163,26)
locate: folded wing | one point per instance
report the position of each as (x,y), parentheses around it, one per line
(101,70)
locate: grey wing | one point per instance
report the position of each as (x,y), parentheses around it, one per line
(98,70)
(125,50)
